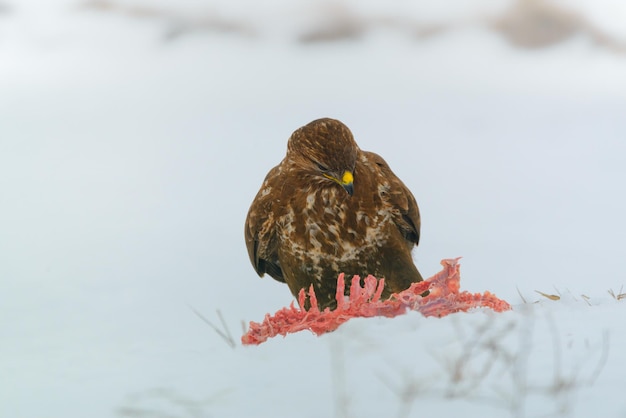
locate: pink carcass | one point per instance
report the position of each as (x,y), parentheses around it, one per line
(364,301)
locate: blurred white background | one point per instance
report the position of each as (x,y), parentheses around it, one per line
(135,134)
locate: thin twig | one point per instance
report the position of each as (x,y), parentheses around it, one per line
(225,334)
(604,356)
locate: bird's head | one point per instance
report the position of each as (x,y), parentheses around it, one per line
(325,148)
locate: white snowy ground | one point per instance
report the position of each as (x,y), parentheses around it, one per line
(129,157)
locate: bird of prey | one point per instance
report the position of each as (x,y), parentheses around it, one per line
(328,208)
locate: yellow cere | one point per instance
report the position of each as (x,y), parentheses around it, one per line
(347,178)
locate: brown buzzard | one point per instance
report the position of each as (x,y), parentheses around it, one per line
(330,207)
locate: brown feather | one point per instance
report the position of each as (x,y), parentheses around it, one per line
(304,228)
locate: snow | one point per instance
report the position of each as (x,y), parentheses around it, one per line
(128,160)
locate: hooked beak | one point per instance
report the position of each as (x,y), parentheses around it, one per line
(349,187)
(347,182)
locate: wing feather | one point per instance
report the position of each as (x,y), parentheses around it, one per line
(260,230)
(401,198)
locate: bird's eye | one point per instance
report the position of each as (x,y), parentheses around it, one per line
(321,167)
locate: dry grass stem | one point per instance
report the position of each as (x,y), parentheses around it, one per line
(619,296)
(224,333)
(546,295)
